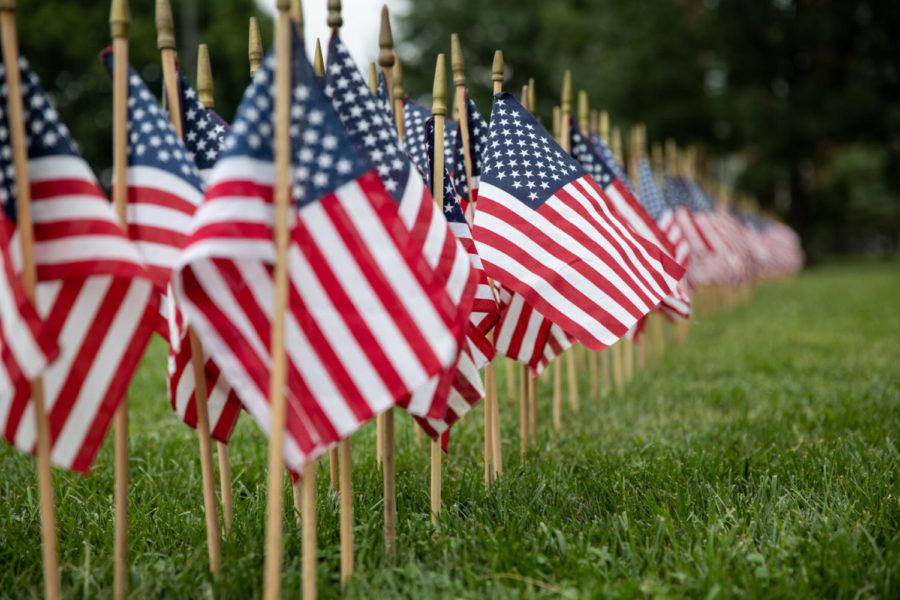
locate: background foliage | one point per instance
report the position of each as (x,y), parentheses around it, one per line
(802,97)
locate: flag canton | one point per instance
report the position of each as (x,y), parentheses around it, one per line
(521,158)
(676,192)
(45,134)
(651,198)
(323,158)
(152,141)
(606,153)
(367,121)
(415,116)
(452,210)
(594,163)
(204,130)
(478,131)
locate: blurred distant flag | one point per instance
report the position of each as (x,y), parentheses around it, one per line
(544,230)
(365,325)
(93,291)
(653,201)
(371,129)
(165,187)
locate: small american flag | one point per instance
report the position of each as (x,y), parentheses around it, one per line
(165,186)
(605,170)
(365,324)
(94,294)
(544,230)
(526,336)
(371,130)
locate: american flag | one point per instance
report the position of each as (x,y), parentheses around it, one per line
(526,336)
(165,186)
(371,130)
(93,292)
(204,138)
(478,131)
(366,323)
(655,204)
(544,230)
(606,171)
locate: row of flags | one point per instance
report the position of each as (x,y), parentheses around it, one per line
(393,300)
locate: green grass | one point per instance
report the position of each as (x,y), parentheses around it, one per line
(759,459)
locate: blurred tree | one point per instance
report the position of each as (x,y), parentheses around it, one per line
(806,93)
(62,39)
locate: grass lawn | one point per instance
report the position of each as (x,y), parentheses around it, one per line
(758,459)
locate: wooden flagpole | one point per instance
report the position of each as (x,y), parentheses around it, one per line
(165,42)
(119,21)
(490,397)
(333,458)
(626,344)
(439,111)
(278,375)
(386,60)
(380,418)
(16,113)
(207,99)
(344,455)
(565,139)
(255,47)
(631,165)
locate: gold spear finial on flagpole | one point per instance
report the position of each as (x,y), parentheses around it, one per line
(439,90)
(119,19)
(318,62)
(566,99)
(297,14)
(255,47)
(603,127)
(583,111)
(335,20)
(525,103)
(456,61)
(165,26)
(595,116)
(532,99)
(204,77)
(385,41)
(497,71)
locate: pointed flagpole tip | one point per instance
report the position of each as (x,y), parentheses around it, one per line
(497,67)
(525,104)
(583,109)
(567,93)
(119,19)
(385,40)
(604,126)
(7,5)
(617,144)
(457,64)
(532,97)
(297,13)
(318,61)
(439,91)
(204,77)
(283,5)
(255,47)
(399,90)
(335,20)
(165,26)
(593,122)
